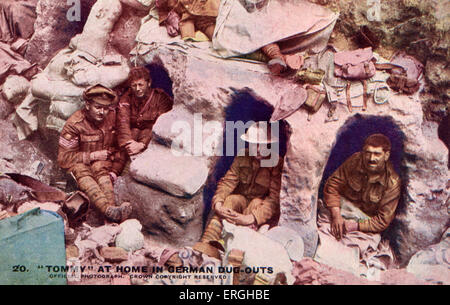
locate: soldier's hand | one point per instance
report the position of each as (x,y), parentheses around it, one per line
(100,155)
(172,24)
(337,223)
(241,219)
(134,147)
(222,211)
(3,215)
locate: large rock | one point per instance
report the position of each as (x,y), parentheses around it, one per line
(179,175)
(6,108)
(185,131)
(124,32)
(433,264)
(169,219)
(418,27)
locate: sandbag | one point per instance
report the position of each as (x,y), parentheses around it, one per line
(43,87)
(101,20)
(64,109)
(295,25)
(130,238)
(15,88)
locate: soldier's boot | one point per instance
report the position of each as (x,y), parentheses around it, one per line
(209,238)
(113,212)
(119,213)
(280,62)
(276,64)
(93,191)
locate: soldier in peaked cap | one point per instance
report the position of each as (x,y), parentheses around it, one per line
(87,149)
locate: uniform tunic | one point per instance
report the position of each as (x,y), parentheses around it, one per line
(78,139)
(202,13)
(135,120)
(378,197)
(247,178)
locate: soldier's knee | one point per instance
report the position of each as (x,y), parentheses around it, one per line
(101,168)
(80,171)
(256,202)
(235,200)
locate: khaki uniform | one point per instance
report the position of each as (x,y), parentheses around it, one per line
(246,188)
(78,139)
(195,15)
(135,120)
(377,198)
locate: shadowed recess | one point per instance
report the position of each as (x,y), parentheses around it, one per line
(244,107)
(160,78)
(350,139)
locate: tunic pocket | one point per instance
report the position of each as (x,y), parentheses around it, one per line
(355,184)
(263,178)
(375,194)
(90,138)
(90,143)
(244,175)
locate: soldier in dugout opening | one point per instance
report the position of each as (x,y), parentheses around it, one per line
(359,203)
(249,193)
(88,150)
(138,110)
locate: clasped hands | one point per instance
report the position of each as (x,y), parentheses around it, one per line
(233,216)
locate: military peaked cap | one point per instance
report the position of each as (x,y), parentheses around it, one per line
(101,95)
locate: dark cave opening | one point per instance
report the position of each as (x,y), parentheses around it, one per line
(160,78)
(444,134)
(350,139)
(245,107)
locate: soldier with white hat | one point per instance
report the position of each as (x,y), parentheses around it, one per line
(248,194)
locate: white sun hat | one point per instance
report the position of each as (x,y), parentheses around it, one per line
(259,133)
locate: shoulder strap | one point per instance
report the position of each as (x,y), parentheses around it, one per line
(148,102)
